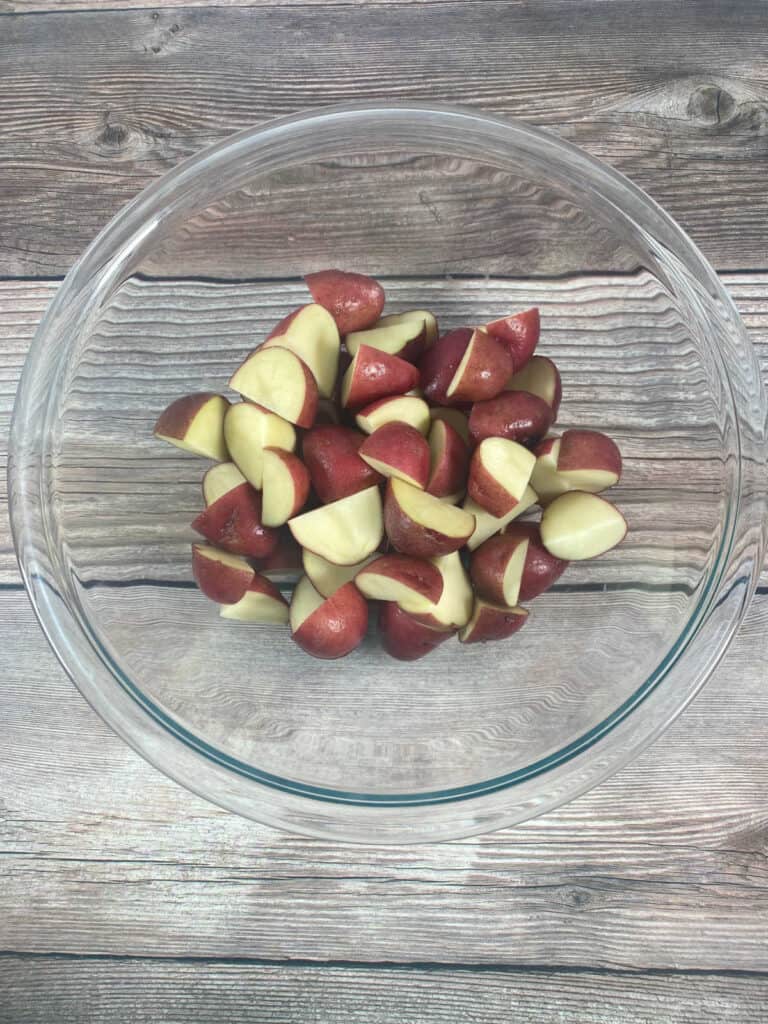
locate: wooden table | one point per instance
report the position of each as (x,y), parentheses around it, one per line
(124,898)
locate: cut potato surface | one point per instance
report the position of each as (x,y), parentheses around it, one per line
(428,319)
(408,409)
(278,379)
(195,424)
(327,577)
(311,333)
(344,531)
(454,608)
(578,525)
(249,429)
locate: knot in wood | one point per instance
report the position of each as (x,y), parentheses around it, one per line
(114,134)
(709,104)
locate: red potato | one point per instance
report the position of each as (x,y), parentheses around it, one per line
(497,568)
(310,332)
(421,525)
(195,423)
(404,638)
(344,531)
(277,379)
(440,362)
(430,322)
(398,450)
(579,525)
(483,371)
(372,375)
(354,301)
(328,627)
(449,462)
(486,524)
(591,454)
(455,417)
(580,460)
(454,608)
(249,429)
(283,565)
(335,467)
(219,480)
(262,602)
(499,472)
(520,332)
(492,622)
(516,415)
(413,583)
(222,577)
(541,569)
(285,486)
(539,377)
(405,339)
(235,523)
(409,409)
(327,577)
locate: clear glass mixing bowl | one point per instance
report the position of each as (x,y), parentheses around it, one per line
(472,217)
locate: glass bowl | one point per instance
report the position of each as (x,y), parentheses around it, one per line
(473,217)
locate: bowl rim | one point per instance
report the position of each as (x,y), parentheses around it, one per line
(314,810)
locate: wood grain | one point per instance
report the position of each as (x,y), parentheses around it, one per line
(97,104)
(664,866)
(109,991)
(69,6)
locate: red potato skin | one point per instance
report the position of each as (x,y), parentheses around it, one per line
(585,449)
(335,468)
(219,583)
(311,398)
(413,350)
(379,375)
(541,569)
(354,301)
(336,627)
(486,490)
(233,523)
(440,362)
(520,333)
(495,623)
(449,474)
(544,447)
(404,638)
(262,585)
(422,577)
(411,538)
(488,368)
(174,421)
(286,555)
(488,565)
(401,446)
(516,415)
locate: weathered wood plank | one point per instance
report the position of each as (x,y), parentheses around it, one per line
(98,104)
(69,6)
(663,866)
(107,991)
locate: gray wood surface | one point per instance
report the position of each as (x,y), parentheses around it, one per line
(124,898)
(144,991)
(97,103)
